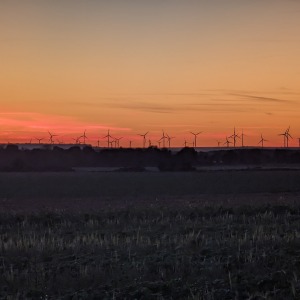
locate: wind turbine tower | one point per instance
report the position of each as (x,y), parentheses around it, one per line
(51,137)
(195,137)
(227,142)
(163,139)
(234,136)
(242,137)
(39,139)
(287,135)
(117,140)
(284,138)
(144,138)
(262,141)
(77,140)
(169,140)
(84,137)
(108,136)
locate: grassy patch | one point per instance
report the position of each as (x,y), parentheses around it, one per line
(156,252)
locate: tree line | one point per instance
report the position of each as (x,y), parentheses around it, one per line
(187,159)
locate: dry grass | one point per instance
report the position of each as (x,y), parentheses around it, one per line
(160,251)
(221,235)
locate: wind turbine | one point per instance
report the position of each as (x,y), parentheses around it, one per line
(77,140)
(163,139)
(262,141)
(39,139)
(117,141)
(234,136)
(242,137)
(51,137)
(227,142)
(284,138)
(149,143)
(84,137)
(130,144)
(195,137)
(144,138)
(287,135)
(108,136)
(185,143)
(169,139)
(159,142)
(218,143)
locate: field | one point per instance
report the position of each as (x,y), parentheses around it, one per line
(89,191)
(206,235)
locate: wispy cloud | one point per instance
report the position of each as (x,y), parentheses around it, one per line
(141,106)
(218,101)
(157,106)
(263,99)
(124,103)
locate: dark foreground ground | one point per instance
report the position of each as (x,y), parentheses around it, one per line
(220,235)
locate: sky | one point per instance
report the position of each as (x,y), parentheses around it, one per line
(134,66)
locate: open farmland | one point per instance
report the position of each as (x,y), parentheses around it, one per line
(33,191)
(212,235)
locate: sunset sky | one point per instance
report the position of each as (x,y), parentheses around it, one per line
(133,66)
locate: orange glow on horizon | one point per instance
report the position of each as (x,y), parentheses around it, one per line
(28,127)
